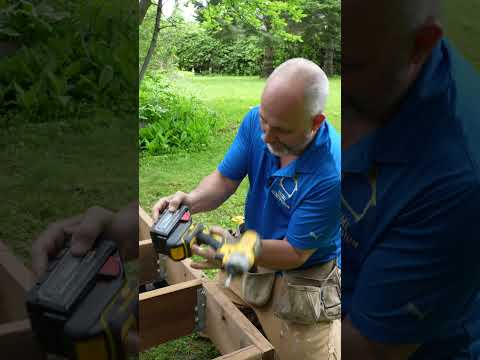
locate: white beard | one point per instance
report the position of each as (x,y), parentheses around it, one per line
(284,151)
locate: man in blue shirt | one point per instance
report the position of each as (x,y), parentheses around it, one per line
(410,187)
(291,156)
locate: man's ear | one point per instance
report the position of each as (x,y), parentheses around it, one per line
(317,121)
(425,40)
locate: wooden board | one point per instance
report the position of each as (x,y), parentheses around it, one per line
(145,223)
(148,262)
(16,341)
(167,313)
(16,338)
(16,279)
(229,330)
(247,353)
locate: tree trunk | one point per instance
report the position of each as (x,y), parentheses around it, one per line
(143,8)
(328,65)
(153,42)
(269,51)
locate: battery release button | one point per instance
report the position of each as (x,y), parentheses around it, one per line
(111,268)
(186,216)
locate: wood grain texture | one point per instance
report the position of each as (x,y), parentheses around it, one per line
(16,341)
(247,353)
(144,224)
(167,313)
(228,328)
(15,280)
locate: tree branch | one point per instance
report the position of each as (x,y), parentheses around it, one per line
(153,42)
(143,8)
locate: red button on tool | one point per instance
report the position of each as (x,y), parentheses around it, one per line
(186,216)
(111,267)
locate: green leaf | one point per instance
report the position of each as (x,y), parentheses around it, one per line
(105,77)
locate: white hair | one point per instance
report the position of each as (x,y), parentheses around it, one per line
(316,84)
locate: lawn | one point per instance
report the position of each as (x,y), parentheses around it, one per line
(230,97)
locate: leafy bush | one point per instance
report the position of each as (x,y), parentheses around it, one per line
(201,51)
(171,122)
(72,60)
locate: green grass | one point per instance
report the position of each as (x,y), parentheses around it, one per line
(231,97)
(56,170)
(462,27)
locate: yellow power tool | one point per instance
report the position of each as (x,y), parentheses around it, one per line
(173,234)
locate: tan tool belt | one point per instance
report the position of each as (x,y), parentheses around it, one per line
(256,288)
(310,296)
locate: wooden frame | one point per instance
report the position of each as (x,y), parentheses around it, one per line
(229,330)
(16,337)
(164,314)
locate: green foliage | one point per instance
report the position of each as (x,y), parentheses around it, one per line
(268,18)
(73,60)
(199,50)
(233,36)
(171,122)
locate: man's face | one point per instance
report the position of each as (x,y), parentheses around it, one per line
(286,130)
(282,140)
(375,61)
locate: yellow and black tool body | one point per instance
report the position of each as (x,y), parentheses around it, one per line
(173,234)
(83,307)
(239,256)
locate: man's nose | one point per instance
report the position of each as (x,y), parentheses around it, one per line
(269,135)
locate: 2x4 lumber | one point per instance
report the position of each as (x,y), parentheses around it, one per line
(177,271)
(144,224)
(17,341)
(228,328)
(167,313)
(16,337)
(148,262)
(16,280)
(247,353)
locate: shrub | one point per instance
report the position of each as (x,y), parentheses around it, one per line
(171,122)
(73,60)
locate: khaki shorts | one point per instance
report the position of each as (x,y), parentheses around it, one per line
(299,310)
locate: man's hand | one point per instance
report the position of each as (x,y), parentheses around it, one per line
(82,231)
(172,202)
(208,253)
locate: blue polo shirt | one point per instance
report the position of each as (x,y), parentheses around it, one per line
(410,217)
(300,201)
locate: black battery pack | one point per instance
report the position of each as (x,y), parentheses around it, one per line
(69,305)
(168,233)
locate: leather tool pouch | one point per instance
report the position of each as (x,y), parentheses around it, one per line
(310,296)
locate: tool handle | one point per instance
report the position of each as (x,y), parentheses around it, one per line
(207,239)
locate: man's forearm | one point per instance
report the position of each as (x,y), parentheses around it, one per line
(280,255)
(212,191)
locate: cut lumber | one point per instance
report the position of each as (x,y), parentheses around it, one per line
(228,328)
(167,313)
(247,353)
(148,262)
(17,341)
(16,337)
(16,280)
(145,223)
